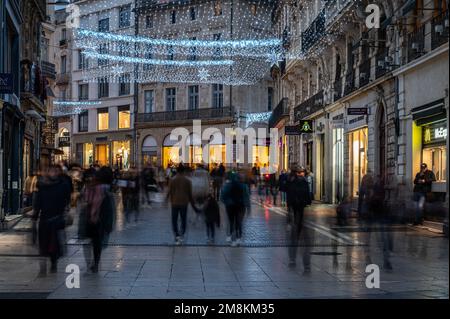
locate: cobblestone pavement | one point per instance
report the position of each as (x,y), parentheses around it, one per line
(142,262)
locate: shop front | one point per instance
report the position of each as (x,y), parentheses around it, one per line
(430,147)
(149,151)
(112,150)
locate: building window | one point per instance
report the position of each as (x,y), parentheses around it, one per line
(103,25)
(83,92)
(193,51)
(434,148)
(269,99)
(149,22)
(63,34)
(63,94)
(102,119)
(124,16)
(173,16)
(148,55)
(217,50)
(83,121)
(124,84)
(171,99)
(149,100)
(82,61)
(170,53)
(103,87)
(103,49)
(124,117)
(193,13)
(63,64)
(193,97)
(218,8)
(217,95)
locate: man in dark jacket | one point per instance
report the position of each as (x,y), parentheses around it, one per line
(297,199)
(50,203)
(180,195)
(422,186)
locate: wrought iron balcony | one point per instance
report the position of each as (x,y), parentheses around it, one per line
(439,30)
(309,106)
(48,70)
(62,79)
(314,32)
(334,8)
(349,83)
(416,44)
(280,112)
(364,73)
(225,113)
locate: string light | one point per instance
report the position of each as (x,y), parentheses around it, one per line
(262,117)
(241,53)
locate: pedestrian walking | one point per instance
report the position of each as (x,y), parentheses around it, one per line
(98,216)
(50,207)
(364,194)
(310,179)
(130,194)
(273,182)
(297,199)
(282,182)
(422,187)
(180,195)
(236,198)
(149,183)
(211,212)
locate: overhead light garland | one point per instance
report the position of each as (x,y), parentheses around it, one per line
(239,52)
(262,117)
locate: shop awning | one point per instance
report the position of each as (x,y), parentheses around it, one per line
(429,113)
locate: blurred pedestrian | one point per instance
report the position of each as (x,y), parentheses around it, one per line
(297,200)
(99,214)
(422,187)
(236,198)
(282,182)
(50,207)
(311,183)
(180,195)
(211,213)
(274,186)
(130,194)
(149,184)
(364,194)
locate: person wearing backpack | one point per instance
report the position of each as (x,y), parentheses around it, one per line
(236,198)
(298,197)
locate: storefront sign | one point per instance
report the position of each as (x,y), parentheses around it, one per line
(292,130)
(64,141)
(6,83)
(435,133)
(357,111)
(306,126)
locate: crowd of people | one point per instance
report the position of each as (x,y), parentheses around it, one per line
(93,192)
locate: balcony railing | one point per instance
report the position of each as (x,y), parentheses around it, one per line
(309,106)
(337,90)
(48,70)
(31,80)
(416,44)
(439,30)
(314,32)
(62,79)
(349,83)
(334,8)
(280,111)
(183,115)
(364,73)
(382,63)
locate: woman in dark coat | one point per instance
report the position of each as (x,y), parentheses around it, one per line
(50,203)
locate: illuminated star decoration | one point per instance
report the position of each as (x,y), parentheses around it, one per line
(203,74)
(117,70)
(274,58)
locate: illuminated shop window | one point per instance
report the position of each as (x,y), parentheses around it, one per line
(102,119)
(358,158)
(124,117)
